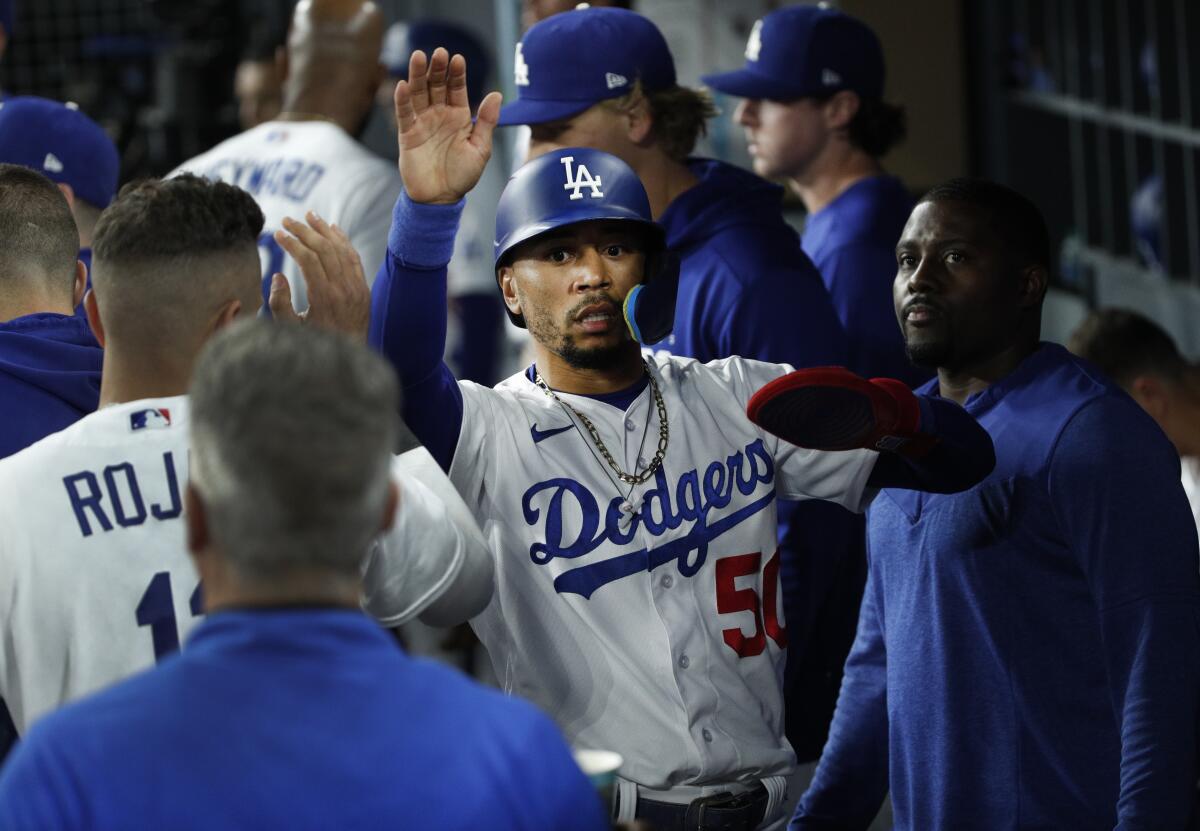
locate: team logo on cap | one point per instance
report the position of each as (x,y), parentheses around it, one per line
(520,68)
(754,44)
(830,78)
(614,80)
(155,419)
(52,163)
(581,179)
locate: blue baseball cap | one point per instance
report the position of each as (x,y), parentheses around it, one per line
(572,60)
(62,143)
(806,51)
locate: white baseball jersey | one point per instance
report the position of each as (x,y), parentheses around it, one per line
(291,167)
(95,579)
(658,635)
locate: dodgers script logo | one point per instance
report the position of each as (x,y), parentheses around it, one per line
(520,68)
(581,179)
(694,500)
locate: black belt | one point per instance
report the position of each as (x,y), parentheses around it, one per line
(720,812)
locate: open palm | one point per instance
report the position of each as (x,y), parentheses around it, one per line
(442,153)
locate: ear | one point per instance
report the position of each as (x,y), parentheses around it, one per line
(227,314)
(67,191)
(80,287)
(1151,394)
(508,289)
(390,507)
(1034,282)
(841,108)
(93,316)
(639,123)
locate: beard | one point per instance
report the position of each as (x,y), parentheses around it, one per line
(928,355)
(562,343)
(600,357)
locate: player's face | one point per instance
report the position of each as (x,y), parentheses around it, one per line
(784,137)
(570,285)
(598,127)
(956,296)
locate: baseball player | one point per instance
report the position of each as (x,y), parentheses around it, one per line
(1028,654)
(290,708)
(64,145)
(1136,353)
(629,502)
(814,114)
(49,361)
(93,569)
(307,156)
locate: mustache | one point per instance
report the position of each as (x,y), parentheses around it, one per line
(595,299)
(920,300)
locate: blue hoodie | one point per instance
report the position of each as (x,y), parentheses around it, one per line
(745,286)
(49,377)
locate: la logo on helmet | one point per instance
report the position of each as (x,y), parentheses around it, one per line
(581,179)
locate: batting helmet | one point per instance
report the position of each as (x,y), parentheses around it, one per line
(578,184)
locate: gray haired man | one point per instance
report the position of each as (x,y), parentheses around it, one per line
(290,708)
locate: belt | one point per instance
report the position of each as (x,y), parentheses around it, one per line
(720,812)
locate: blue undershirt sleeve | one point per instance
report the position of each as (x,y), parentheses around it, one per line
(408,321)
(852,775)
(1114,485)
(963,456)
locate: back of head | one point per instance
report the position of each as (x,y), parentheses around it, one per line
(1126,345)
(1015,220)
(40,241)
(333,47)
(292,429)
(169,254)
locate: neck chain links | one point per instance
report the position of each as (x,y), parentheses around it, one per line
(664,433)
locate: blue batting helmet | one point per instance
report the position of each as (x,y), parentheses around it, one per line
(578,184)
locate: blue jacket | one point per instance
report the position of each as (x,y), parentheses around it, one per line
(852,242)
(745,287)
(49,377)
(1028,652)
(297,719)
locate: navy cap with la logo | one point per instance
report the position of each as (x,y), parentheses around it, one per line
(806,51)
(570,61)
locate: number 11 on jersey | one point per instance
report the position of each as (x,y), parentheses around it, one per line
(157,610)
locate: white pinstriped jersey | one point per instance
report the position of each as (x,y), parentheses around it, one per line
(95,580)
(290,167)
(659,636)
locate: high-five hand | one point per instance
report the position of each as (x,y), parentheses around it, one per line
(338,295)
(442,153)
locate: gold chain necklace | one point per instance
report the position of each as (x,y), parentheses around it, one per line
(664,433)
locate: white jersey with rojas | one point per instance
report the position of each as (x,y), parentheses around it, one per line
(658,635)
(290,167)
(95,580)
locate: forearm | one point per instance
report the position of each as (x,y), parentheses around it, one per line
(408,321)
(961,456)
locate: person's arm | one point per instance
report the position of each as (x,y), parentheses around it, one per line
(852,774)
(442,155)
(433,562)
(1114,485)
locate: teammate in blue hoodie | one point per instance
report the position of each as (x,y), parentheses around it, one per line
(68,148)
(604,78)
(1028,653)
(49,360)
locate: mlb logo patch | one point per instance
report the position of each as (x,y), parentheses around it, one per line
(155,419)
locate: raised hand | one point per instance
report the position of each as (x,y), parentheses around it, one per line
(442,153)
(338,295)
